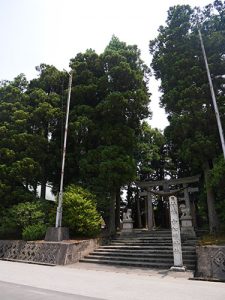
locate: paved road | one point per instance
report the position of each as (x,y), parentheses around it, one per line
(108,283)
(11,291)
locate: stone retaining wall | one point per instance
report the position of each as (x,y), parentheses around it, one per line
(211,262)
(55,253)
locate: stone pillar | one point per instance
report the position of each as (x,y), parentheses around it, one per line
(186,196)
(175,227)
(149,210)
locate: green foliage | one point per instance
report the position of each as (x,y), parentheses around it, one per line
(216,181)
(79,212)
(19,217)
(109,100)
(150,153)
(178,62)
(27,213)
(34,232)
(217,174)
(192,135)
(8,227)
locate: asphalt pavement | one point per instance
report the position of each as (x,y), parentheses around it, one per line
(81,281)
(11,291)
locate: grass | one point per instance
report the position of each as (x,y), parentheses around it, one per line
(212,239)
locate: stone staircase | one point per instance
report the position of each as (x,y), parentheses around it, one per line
(143,249)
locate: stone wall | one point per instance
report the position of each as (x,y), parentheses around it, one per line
(53,253)
(211,262)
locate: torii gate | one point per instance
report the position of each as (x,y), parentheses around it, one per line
(149,185)
(174,216)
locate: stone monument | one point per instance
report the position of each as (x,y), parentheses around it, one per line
(127,221)
(187,229)
(175,227)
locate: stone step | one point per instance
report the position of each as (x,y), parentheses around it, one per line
(158,265)
(145,247)
(143,241)
(189,242)
(159,243)
(146,255)
(152,232)
(143,238)
(145,235)
(141,244)
(143,259)
(151,239)
(144,252)
(126,258)
(127,263)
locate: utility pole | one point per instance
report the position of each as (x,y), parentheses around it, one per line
(212,94)
(59,208)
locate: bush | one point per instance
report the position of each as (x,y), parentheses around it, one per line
(8,227)
(34,232)
(17,218)
(80,213)
(27,213)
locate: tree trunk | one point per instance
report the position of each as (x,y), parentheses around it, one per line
(43,187)
(139,223)
(27,185)
(212,215)
(118,209)
(129,196)
(146,212)
(35,188)
(112,228)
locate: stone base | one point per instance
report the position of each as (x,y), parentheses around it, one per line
(127,226)
(178,269)
(187,232)
(187,229)
(58,234)
(186,222)
(211,262)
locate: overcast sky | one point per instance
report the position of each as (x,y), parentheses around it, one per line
(53,31)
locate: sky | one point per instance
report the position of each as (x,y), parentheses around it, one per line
(54,31)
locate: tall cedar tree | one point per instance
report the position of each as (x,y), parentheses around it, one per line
(178,62)
(109,100)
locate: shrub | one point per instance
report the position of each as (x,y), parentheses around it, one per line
(34,232)
(8,226)
(27,213)
(80,213)
(8,229)
(20,216)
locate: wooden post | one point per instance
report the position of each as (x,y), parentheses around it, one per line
(138,210)
(149,211)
